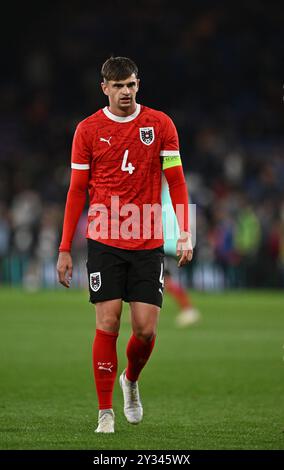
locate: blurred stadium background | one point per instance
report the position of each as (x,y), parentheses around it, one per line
(218,72)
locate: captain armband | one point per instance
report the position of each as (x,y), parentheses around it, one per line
(170,159)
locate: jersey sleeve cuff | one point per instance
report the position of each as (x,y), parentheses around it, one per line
(64,248)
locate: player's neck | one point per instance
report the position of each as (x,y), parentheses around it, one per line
(122,112)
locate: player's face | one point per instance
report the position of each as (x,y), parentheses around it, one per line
(122,94)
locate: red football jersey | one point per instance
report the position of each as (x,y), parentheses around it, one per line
(124,156)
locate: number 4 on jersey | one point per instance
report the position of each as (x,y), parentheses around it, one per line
(130,168)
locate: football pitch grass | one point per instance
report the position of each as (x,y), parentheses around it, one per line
(215,385)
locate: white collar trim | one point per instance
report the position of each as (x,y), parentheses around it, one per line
(116,118)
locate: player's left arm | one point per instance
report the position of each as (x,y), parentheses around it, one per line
(172,167)
(179,196)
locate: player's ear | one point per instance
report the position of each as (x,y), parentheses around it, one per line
(104,86)
(138,83)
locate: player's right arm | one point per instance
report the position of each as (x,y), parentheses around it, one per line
(75,202)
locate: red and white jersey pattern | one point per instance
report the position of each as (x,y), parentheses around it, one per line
(124,157)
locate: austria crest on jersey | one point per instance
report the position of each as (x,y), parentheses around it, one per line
(147,135)
(95,281)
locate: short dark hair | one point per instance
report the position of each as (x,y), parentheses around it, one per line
(118,68)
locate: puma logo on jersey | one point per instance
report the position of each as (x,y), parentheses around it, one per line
(106,140)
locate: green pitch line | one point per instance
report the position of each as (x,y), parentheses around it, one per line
(215,385)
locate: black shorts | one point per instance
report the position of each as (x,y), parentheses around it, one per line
(130,275)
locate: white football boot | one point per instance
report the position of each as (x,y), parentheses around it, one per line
(106,421)
(133,409)
(187,317)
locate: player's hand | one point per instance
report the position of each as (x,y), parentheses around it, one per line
(184,248)
(64,268)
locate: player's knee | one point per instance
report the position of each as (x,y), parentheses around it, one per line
(108,322)
(108,317)
(145,335)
